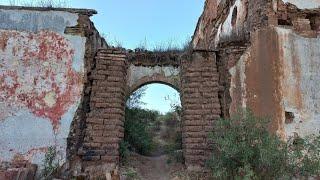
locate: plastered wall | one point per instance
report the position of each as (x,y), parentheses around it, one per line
(278,76)
(267,55)
(41,82)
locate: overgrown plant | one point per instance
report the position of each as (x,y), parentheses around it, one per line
(131,174)
(244,149)
(174,150)
(50,163)
(138,129)
(124,152)
(172,46)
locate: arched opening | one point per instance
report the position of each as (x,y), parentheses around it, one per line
(152,143)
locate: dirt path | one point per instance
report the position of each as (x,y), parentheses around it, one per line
(155,168)
(150,168)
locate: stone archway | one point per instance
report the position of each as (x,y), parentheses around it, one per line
(116,74)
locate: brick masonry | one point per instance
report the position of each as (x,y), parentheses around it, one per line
(201,107)
(241,49)
(104,122)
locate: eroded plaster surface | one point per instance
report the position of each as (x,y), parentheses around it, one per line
(41,81)
(234,22)
(279,73)
(238,90)
(300,82)
(138,75)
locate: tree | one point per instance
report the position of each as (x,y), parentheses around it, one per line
(134,100)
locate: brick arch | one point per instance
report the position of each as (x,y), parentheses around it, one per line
(114,77)
(158,78)
(138,76)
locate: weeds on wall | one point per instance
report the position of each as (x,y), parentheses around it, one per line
(172,46)
(41,3)
(244,149)
(50,163)
(112,42)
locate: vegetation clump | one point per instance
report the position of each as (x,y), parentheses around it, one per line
(137,129)
(50,163)
(244,149)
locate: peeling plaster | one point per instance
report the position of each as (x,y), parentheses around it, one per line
(300,83)
(226,29)
(28,82)
(280,73)
(136,73)
(238,90)
(41,82)
(34,21)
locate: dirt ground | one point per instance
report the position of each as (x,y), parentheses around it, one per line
(157,168)
(151,168)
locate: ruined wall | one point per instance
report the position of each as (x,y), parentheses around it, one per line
(300,57)
(201,107)
(277,77)
(146,67)
(229,22)
(103,130)
(43,72)
(266,56)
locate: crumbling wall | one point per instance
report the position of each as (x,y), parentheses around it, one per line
(266,53)
(99,149)
(45,58)
(201,107)
(149,67)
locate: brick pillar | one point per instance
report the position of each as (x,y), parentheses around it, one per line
(201,107)
(104,123)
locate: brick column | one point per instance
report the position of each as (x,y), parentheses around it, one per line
(201,107)
(104,124)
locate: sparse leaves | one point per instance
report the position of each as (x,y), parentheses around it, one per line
(244,149)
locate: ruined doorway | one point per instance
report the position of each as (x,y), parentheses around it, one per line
(152,143)
(116,75)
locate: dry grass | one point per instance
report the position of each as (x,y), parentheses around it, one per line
(40,3)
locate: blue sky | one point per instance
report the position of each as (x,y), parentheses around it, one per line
(150,23)
(145,22)
(160,97)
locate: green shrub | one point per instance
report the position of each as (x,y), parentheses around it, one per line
(131,174)
(244,149)
(174,150)
(137,130)
(124,151)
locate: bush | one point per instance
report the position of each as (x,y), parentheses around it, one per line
(174,150)
(124,151)
(137,130)
(244,149)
